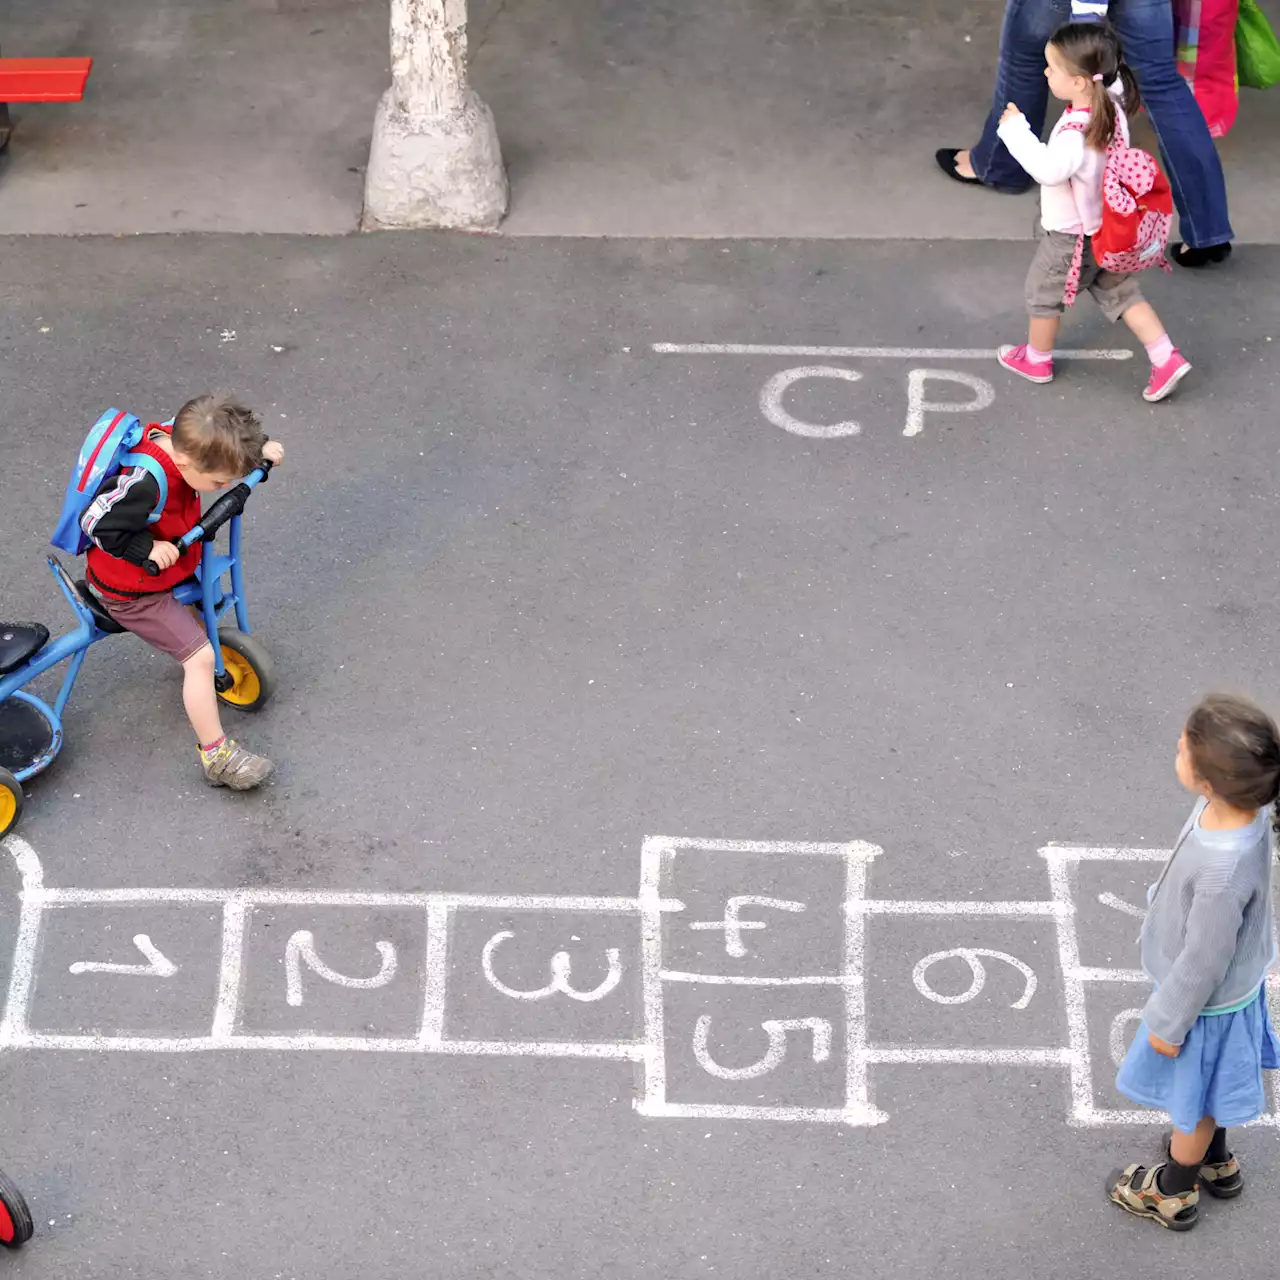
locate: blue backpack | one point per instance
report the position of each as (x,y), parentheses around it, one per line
(107,449)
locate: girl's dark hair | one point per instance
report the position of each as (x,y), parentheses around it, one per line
(1235,748)
(1092,49)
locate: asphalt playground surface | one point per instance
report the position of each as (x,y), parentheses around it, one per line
(537,591)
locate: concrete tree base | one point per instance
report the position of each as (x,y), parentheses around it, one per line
(435,172)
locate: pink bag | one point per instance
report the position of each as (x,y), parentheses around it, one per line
(1206,44)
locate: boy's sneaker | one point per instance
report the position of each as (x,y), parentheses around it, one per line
(1166,377)
(1137,1192)
(1016,360)
(230,765)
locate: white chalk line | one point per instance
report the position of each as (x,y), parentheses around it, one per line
(26,948)
(857,1078)
(436,965)
(1085,973)
(968,1057)
(1089,853)
(1101,1118)
(622,1050)
(230,968)
(846,849)
(854,1116)
(742,980)
(652,852)
(1072,989)
(866,353)
(890,907)
(307,898)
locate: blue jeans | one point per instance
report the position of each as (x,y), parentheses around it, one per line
(1145,28)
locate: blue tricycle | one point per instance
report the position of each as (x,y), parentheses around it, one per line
(31,729)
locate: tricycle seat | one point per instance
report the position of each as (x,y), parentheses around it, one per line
(20,641)
(101,618)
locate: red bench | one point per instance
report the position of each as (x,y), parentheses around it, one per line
(39,80)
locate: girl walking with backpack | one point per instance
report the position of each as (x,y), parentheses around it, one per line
(1208,940)
(1085,71)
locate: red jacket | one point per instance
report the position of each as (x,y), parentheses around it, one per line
(121,538)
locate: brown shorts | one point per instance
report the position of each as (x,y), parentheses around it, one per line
(162,622)
(1047,278)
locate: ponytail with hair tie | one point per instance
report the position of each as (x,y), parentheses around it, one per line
(1092,50)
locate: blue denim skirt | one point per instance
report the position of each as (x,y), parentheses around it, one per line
(1218,1073)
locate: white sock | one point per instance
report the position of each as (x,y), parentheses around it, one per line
(1160,351)
(1038,357)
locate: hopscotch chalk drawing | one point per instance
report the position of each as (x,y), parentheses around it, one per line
(792,1036)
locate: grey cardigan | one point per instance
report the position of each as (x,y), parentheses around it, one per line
(1208,938)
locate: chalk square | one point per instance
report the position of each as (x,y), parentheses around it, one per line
(501,966)
(1112,1011)
(1110,898)
(735,1038)
(799,932)
(345,940)
(188,936)
(989,1005)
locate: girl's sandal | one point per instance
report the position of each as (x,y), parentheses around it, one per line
(1223,1180)
(1136,1192)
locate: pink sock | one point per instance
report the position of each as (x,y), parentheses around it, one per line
(1038,357)
(1160,351)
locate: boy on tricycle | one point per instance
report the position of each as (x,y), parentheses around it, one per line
(134,561)
(133,507)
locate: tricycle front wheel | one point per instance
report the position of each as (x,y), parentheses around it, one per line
(11,802)
(253,674)
(16,1227)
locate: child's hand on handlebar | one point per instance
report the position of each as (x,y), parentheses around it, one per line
(273,452)
(164,555)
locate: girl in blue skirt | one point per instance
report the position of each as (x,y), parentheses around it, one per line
(1207,942)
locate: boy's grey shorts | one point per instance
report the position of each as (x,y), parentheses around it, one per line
(1047,278)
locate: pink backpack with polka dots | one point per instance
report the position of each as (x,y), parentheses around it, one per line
(1137,213)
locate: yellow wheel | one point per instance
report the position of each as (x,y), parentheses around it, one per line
(253,674)
(11,802)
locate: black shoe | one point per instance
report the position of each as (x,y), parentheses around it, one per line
(946,159)
(1185,256)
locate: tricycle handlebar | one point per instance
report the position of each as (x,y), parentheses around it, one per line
(230,505)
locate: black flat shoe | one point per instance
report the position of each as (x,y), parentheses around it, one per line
(1185,256)
(946,159)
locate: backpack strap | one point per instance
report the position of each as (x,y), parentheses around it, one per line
(1077,258)
(156,471)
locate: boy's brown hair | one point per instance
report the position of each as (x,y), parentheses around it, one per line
(219,435)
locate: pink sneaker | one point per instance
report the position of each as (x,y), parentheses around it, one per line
(1016,360)
(1166,377)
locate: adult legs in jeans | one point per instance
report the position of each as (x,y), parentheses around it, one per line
(1145,28)
(1028,24)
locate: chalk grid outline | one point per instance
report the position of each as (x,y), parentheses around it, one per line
(650,907)
(1063,862)
(237,906)
(857,1109)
